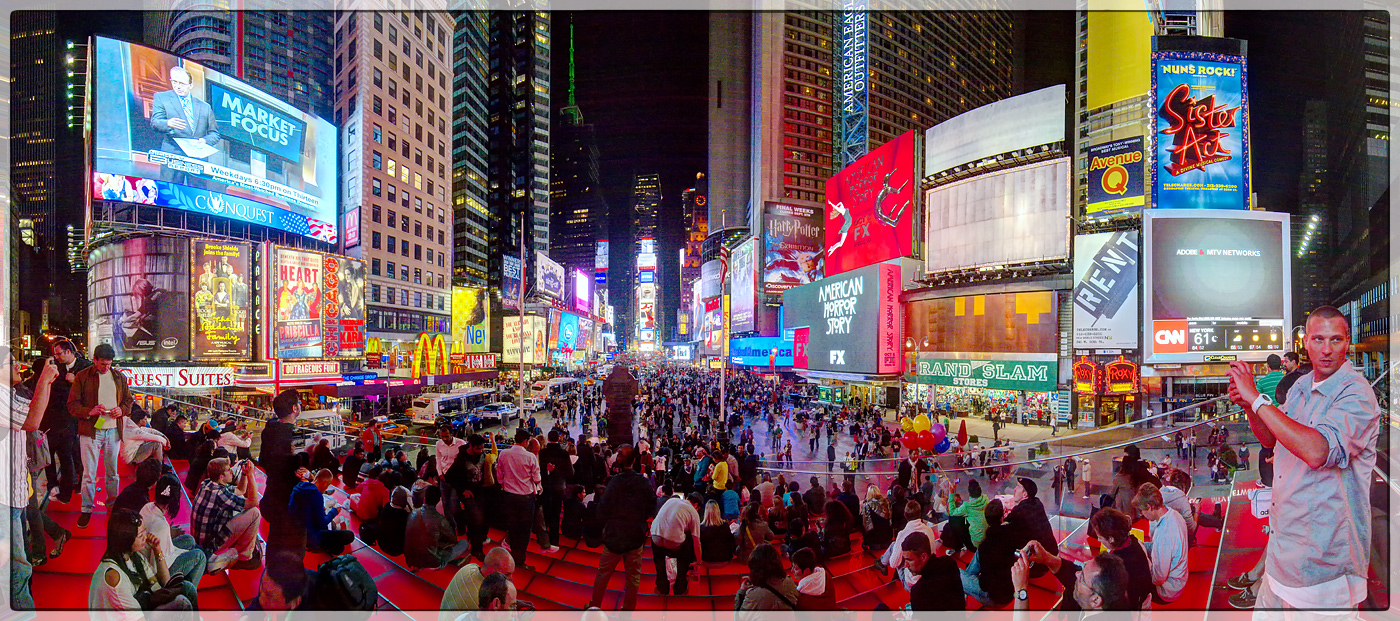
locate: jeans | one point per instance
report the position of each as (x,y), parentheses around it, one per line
(20,569)
(190,561)
(451,503)
(520,516)
(39,522)
(972,581)
(684,555)
(632,564)
(553,508)
(147,450)
(105,444)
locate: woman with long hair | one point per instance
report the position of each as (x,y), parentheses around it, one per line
(767,586)
(716,542)
(133,569)
(752,530)
(836,535)
(875,514)
(202,455)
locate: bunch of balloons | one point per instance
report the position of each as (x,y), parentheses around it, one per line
(922,434)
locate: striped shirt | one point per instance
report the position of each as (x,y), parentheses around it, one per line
(214,506)
(1322,517)
(1267,384)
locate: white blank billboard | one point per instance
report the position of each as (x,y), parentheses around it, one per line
(1019,122)
(1013,216)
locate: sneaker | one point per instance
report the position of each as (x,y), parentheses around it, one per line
(253,562)
(1240,582)
(84,519)
(221,561)
(1244,599)
(551,550)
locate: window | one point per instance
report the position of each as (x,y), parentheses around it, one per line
(377,134)
(418,157)
(393,243)
(393,88)
(430,232)
(439,276)
(418,299)
(403,272)
(378,78)
(393,219)
(378,51)
(379,22)
(403,297)
(393,168)
(439,237)
(377,161)
(417,180)
(428,256)
(374,240)
(374,293)
(418,204)
(392,189)
(393,114)
(405,151)
(393,142)
(418,229)
(391,295)
(374,267)
(417,276)
(374,186)
(440,216)
(440,259)
(417,252)
(418,85)
(417,131)
(378,105)
(393,62)
(403,251)
(393,40)
(374,213)
(430,182)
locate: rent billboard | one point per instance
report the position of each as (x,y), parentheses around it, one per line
(1106,290)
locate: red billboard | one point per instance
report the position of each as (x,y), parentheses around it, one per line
(869,208)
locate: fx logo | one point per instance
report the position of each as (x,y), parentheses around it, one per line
(1169,336)
(837,356)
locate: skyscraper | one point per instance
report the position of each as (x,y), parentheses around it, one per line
(695,219)
(518,124)
(1310,255)
(471,218)
(392,79)
(579,212)
(277,51)
(39,73)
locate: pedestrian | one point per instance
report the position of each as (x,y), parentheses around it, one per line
(1070,464)
(1085,477)
(99,398)
(66,472)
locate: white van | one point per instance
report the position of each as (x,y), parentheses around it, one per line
(313,425)
(554,388)
(427,408)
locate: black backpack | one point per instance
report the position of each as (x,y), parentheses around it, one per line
(343,584)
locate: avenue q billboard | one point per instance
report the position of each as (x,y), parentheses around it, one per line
(1200,140)
(848,323)
(869,208)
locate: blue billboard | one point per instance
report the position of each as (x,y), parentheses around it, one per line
(568,331)
(1115,178)
(1200,140)
(754,351)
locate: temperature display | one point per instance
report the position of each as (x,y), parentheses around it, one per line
(1232,336)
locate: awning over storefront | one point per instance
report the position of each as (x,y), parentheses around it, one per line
(399,387)
(848,377)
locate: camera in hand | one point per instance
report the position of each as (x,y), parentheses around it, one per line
(238,470)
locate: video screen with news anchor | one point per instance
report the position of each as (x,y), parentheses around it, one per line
(171,132)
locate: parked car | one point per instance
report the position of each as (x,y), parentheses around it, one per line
(535,404)
(499,411)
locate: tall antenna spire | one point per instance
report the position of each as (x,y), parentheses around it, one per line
(571,109)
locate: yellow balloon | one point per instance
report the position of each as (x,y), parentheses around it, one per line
(921,423)
(906,425)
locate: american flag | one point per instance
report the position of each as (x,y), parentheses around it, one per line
(311,227)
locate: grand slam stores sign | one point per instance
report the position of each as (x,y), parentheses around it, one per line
(848,323)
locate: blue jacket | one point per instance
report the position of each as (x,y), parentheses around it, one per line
(307,507)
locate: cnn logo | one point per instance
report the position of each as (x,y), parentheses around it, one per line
(1169,336)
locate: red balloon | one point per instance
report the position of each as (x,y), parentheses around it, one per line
(926,441)
(910,441)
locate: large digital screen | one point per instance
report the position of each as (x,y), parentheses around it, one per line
(1010,216)
(471,319)
(1013,124)
(343,306)
(549,277)
(869,208)
(754,351)
(552,336)
(1115,178)
(511,273)
(994,323)
(568,332)
(743,272)
(1201,131)
(1219,283)
(296,296)
(792,246)
(852,321)
(600,262)
(533,348)
(171,132)
(710,283)
(139,298)
(1106,290)
(221,324)
(582,292)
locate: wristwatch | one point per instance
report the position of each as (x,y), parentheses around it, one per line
(1022,595)
(1261,401)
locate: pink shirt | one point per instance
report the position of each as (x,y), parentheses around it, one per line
(518,470)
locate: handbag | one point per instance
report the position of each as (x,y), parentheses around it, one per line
(156,598)
(40,454)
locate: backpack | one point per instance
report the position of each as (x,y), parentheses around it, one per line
(343,584)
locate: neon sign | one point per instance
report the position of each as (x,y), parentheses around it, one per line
(1086,377)
(1121,377)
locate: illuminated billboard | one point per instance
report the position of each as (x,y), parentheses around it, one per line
(296,297)
(174,133)
(1115,178)
(853,87)
(1219,283)
(1106,290)
(139,298)
(851,321)
(221,304)
(549,277)
(568,332)
(869,208)
(1200,141)
(755,351)
(511,273)
(792,246)
(471,319)
(710,283)
(1016,215)
(600,262)
(1006,127)
(744,273)
(582,292)
(533,347)
(993,323)
(343,307)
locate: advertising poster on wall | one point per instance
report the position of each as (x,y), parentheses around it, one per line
(1106,290)
(172,132)
(343,307)
(869,208)
(510,282)
(549,277)
(221,324)
(471,319)
(1115,178)
(1015,215)
(1218,283)
(852,321)
(792,247)
(296,294)
(710,283)
(1200,141)
(139,298)
(744,273)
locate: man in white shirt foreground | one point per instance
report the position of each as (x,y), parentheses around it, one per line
(675,533)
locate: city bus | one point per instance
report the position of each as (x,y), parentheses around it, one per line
(428,407)
(554,388)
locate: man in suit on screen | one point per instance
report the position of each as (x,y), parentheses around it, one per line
(177,113)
